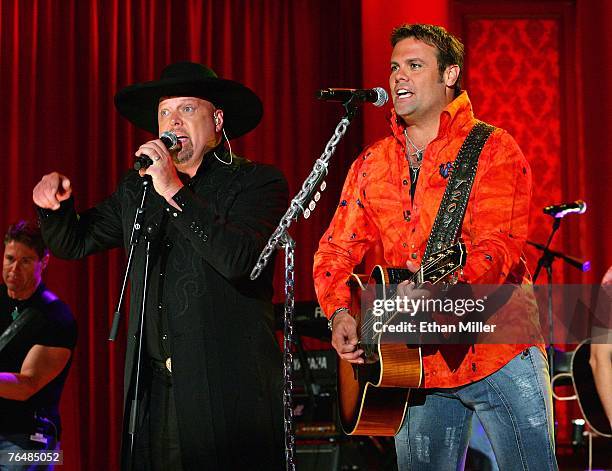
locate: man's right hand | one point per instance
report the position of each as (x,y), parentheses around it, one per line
(344,338)
(51,190)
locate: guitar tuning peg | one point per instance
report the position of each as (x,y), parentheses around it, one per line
(323,186)
(312,205)
(317,196)
(306,213)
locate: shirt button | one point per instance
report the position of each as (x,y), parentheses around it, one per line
(413,255)
(405,182)
(160,306)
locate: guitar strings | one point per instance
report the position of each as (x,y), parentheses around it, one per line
(418,277)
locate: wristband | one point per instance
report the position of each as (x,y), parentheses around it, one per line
(330,322)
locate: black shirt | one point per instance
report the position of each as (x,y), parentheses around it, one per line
(53,327)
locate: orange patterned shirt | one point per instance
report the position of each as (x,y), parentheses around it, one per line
(376,208)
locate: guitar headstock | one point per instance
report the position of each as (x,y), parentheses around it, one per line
(442,264)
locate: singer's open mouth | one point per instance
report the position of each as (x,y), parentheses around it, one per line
(403,93)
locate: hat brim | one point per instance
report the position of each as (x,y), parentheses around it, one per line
(242,108)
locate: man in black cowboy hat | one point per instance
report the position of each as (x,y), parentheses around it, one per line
(212,372)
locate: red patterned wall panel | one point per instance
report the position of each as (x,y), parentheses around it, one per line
(512,76)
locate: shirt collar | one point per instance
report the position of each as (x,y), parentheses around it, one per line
(457,113)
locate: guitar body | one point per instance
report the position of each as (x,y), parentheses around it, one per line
(372,397)
(586,392)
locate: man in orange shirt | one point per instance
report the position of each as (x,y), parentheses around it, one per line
(391,197)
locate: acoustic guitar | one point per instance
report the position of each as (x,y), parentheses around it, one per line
(372,396)
(585,389)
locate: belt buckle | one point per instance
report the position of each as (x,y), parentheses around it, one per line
(169,364)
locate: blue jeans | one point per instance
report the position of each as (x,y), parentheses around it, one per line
(514,405)
(20,442)
(480,442)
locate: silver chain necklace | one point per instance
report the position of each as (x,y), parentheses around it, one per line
(414,156)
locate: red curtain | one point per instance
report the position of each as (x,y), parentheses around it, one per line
(593,121)
(61,61)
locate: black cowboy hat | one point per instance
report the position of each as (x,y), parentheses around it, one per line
(242,108)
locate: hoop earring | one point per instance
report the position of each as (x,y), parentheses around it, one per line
(230,151)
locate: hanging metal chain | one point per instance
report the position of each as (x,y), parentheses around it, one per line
(300,202)
(289,245)
(281,239)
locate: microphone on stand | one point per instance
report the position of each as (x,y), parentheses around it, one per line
(377,96)
(170,140)
(560,210)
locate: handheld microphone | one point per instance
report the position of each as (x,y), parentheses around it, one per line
(560,210)
(170,140)
(377,96)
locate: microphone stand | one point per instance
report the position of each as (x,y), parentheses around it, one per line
(280,239)
(141,322)
(546,261)
(573,261)
(134,240)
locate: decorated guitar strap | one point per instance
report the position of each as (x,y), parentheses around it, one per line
(454,202)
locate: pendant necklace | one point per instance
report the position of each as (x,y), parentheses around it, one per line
(414,155)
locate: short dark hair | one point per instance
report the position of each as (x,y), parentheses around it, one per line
(450,49)
(28,233)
